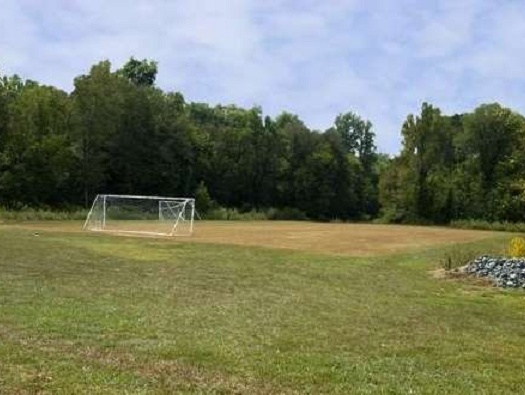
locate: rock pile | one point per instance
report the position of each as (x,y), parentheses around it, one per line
(505,272)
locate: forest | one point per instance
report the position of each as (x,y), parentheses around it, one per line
(117,132)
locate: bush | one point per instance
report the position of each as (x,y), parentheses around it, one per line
(517,247)
(391,216)
(403,217)
(232,214)
(286,214)
(486,225)
(203,200)
(38,214)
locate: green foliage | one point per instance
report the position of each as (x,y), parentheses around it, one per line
(36,157)
(140,72)
(458,167)
(356,138)
(233,214)
(203,201)
(356,134)
(274,214)
(286,214)
(117,133)
(502,226)
(98,110)
(32,214)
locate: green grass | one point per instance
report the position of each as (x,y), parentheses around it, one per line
(84,313)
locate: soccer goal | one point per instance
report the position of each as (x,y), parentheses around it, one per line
(152,215)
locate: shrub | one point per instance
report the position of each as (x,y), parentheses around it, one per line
(39,214)
(203,200)
(392,216)
(517,247)
(286,213)
(232,214)
(486,225)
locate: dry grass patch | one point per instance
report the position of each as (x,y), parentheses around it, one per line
(324,238)
(337,239)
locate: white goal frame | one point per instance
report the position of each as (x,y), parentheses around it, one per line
(177,206)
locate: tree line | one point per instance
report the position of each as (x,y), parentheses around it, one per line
(116,132)
(465,166)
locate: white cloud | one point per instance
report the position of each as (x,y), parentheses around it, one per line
(380,58)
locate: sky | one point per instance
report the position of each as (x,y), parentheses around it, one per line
(316,59)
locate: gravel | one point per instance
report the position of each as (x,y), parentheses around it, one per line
(504,272)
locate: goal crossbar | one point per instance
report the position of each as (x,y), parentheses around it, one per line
(148,197)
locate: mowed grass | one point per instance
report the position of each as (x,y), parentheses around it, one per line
(324,238)
(90,313)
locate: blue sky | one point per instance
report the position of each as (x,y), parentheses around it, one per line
(381,59)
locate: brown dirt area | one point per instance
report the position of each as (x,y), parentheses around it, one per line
(326,238)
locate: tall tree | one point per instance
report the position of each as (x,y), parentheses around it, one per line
(296,142)
(98,104)
(357,139)
(140,72)
(493,137)
(423,169)
(36,159)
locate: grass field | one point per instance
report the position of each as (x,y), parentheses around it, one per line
(252,308)
(325,238)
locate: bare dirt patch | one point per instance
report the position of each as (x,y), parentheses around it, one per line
(471,283)
(336,239)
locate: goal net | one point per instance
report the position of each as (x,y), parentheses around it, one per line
(153,215)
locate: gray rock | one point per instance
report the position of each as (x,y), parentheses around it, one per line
(504,272)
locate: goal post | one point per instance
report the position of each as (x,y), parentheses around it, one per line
(154,215)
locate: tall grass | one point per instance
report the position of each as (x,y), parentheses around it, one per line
(462,254)
(486,225)
(34,214)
